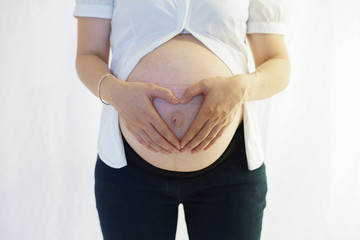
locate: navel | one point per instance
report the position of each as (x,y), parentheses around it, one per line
(177,119)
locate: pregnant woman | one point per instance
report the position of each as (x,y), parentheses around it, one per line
(176,124)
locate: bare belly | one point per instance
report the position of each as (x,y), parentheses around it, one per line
(177,64)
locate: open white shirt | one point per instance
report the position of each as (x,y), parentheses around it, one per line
(139,26)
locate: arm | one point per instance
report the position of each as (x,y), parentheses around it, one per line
(272,64)
(92,55)
(137,112)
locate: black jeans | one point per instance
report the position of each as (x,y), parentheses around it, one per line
(226,203)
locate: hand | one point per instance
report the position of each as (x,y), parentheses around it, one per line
(222,98)
(134,103)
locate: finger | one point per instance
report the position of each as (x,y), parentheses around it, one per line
(151,142)
(200,120)
(141,140)
(163,93)
(208,139)
(159,140)
(216,138)
(201,136)
(192,91)
(164,130)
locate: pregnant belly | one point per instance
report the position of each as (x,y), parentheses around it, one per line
(177,64)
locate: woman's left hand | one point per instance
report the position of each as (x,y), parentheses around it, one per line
(222,98)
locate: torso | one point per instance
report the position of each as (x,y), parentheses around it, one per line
(177,64)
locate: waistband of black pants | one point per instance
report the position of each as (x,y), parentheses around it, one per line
(134,160)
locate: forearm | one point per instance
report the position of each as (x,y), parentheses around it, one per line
(269,78)
(90,68)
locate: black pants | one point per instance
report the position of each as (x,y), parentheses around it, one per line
(225,203)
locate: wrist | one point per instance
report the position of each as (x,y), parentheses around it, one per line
(249,84)
(109,88)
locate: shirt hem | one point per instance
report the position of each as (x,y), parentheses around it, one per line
(106,160)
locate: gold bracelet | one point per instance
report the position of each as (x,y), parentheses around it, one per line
(105,75)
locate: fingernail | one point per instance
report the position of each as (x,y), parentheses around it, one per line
(182,99)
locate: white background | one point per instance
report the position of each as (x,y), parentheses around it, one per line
(49,123)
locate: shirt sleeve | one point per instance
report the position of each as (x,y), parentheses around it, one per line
(267,16)
(94,8)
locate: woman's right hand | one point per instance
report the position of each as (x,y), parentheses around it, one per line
(134,103)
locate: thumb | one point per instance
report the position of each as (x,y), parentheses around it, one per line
(164,93)
(192,91)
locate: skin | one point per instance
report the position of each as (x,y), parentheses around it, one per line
(222,95)
(271,76)
(222,98)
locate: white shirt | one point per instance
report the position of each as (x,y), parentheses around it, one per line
(139,26)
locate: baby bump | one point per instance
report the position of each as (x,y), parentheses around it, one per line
(177,64)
